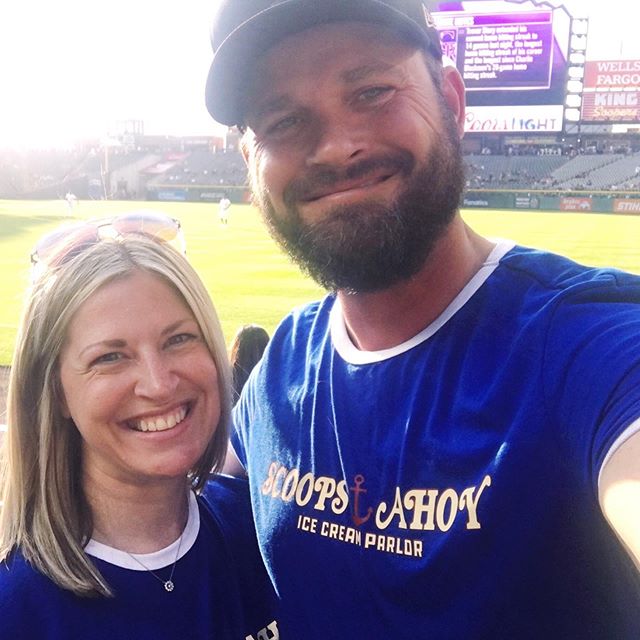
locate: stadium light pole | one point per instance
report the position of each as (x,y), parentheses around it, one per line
(575,77)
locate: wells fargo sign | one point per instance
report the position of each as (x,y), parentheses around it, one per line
(612,74)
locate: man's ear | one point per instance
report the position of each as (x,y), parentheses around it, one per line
(454,94)
(245,145)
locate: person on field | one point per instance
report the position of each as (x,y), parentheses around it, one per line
(448,444)
(71,202)
(110,524)
(223,210)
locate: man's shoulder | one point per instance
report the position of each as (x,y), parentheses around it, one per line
(551,275)
(227,499)
(306,322)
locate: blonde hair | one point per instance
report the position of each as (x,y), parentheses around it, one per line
(45,513)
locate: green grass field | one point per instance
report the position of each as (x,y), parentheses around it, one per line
(248,277)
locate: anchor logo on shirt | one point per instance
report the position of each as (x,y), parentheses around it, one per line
(270,632)
(357,490)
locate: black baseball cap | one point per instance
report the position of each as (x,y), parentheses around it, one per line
(244,29)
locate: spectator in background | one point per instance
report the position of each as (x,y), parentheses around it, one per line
(119,403)
(246,350)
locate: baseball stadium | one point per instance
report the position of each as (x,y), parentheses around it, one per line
(355,356)
(552,154)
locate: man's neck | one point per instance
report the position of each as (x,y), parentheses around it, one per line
(387,318)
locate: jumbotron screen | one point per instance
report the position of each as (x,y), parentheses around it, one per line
(513,58)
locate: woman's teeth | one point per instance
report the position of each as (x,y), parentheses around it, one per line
(161,423)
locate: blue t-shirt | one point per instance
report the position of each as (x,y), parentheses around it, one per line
(221,589)
(447,488)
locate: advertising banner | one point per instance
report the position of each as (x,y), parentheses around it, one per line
(172,195)
(576,204)
(611,106)
(626,205)
(527,202)
(534,118)
(612,74)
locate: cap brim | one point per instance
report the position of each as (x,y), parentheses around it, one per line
(239,51)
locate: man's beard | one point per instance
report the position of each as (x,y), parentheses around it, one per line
(371,246)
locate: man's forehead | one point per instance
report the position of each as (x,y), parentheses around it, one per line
(349,52)
(349,36)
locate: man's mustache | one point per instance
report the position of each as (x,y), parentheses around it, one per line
(319,178)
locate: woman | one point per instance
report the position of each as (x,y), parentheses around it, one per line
(247,348)
(118,410)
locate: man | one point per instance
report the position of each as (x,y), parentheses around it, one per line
(223,209)
(445,445)
(71,202)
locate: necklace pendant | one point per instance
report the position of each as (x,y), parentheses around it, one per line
(168,585)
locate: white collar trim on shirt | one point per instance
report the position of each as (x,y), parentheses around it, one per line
(157,559)
(350,353)
(631,430)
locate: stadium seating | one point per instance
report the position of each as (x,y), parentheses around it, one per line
(611,175)
(49,174)
(206,168)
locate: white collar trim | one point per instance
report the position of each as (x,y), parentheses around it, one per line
(157,559)
(350,353)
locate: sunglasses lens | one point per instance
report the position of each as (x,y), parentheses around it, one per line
(150,223)
(64,243)
(61,245)
(156,225)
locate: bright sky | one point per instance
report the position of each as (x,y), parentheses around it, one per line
(68,68)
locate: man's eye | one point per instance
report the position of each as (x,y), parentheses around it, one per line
(373,93)
(283,125)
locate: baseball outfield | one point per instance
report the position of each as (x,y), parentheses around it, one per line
(248,277)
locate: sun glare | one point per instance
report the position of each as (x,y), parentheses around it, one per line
(70,69)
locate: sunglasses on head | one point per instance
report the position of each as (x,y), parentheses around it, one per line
(62,244)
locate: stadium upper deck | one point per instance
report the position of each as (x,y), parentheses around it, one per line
(141,174)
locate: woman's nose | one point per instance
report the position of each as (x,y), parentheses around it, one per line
(156,378)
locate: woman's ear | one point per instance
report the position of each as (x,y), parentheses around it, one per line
(61,399)
(64,409)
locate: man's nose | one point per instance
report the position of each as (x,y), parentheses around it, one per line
(337,141)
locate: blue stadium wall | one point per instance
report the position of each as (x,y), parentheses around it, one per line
(579,201)
(601,202)
(197,193)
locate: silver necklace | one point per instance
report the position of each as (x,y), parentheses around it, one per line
(168,584)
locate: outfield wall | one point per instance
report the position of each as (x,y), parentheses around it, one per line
(600,202)
(198,193)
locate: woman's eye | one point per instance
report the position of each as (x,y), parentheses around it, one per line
(107,358)
(181,338)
